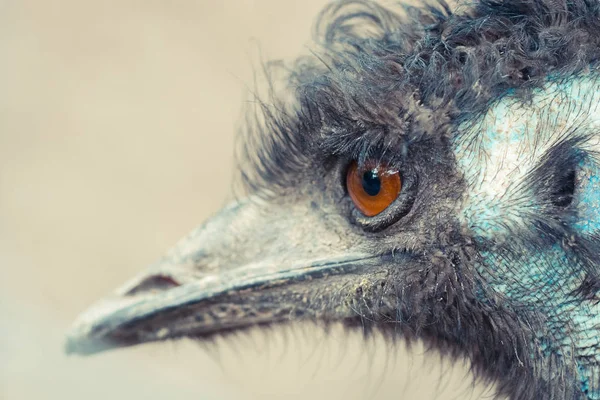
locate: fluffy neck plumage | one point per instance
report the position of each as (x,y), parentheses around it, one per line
(539,253)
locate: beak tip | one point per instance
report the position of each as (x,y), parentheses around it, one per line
(81,340)
(86,346)
(85,339)
(76,344)
(90,333)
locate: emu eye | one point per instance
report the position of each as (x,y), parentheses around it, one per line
(373,188)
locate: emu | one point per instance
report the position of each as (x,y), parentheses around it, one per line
(436,176)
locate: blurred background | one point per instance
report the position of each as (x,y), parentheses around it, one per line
(117,121)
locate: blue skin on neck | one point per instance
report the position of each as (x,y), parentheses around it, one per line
(497,155)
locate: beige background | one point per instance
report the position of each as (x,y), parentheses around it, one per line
(116,132)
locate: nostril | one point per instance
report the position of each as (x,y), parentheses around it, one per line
(155,283)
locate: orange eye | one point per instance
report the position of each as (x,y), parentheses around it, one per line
(372,189)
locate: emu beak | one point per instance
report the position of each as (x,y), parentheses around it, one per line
(247,265)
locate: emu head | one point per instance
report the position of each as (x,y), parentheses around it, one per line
(437,176)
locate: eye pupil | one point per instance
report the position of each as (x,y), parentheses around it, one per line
(371,183)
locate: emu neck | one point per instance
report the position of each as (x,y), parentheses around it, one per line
(498,156)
